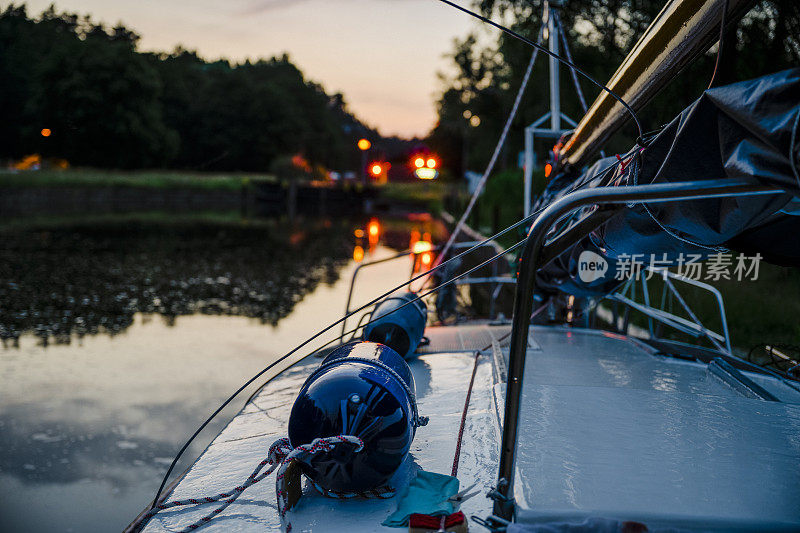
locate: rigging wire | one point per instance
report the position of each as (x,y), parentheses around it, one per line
(570,64)
(563,34)
(286,356)
(329,327)
(493,160)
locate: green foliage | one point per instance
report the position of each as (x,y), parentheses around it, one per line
(428,194)
(501,202)
(110,106)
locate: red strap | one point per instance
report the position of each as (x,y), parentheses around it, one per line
(426,521)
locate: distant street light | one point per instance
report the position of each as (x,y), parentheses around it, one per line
(364,145)
(46,132)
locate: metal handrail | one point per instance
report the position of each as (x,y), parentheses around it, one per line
(531,260)
(467,280)
(694,328)
(353,281)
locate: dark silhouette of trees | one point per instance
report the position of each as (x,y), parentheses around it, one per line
(109,105)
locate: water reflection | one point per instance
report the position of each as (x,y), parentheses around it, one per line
(88,427)
(88,279)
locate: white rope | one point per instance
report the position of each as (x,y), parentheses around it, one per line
(280,456)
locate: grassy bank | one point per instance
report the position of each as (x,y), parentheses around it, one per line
(427,194)
(46,222)
(154,179)
(501,205)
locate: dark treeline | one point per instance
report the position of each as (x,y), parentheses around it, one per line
(109,105)
(600,34)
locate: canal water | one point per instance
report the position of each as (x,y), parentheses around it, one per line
(119,338)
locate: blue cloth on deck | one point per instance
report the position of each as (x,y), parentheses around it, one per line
(427,493)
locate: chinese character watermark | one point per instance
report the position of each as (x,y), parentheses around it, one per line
(719,266)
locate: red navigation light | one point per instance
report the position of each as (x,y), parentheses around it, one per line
(374,228)
(373,232)
(422,251)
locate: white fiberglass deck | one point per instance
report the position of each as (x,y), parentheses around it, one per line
(441,387)
(610,430)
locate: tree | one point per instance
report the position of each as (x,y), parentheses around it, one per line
(600,34)
(109,105)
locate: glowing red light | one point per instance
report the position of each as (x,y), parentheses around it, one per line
(373,228)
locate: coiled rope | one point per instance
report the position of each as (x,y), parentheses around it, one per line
(280,456)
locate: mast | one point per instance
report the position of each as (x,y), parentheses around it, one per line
(552,34)
(555,95)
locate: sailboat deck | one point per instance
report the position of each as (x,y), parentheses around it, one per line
(441,381)
(608,429)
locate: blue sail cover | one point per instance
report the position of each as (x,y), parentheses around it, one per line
(743,130)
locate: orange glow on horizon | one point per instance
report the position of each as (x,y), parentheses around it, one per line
(46,132)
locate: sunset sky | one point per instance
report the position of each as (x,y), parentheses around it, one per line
(383,55)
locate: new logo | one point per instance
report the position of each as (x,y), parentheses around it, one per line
(591,266)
